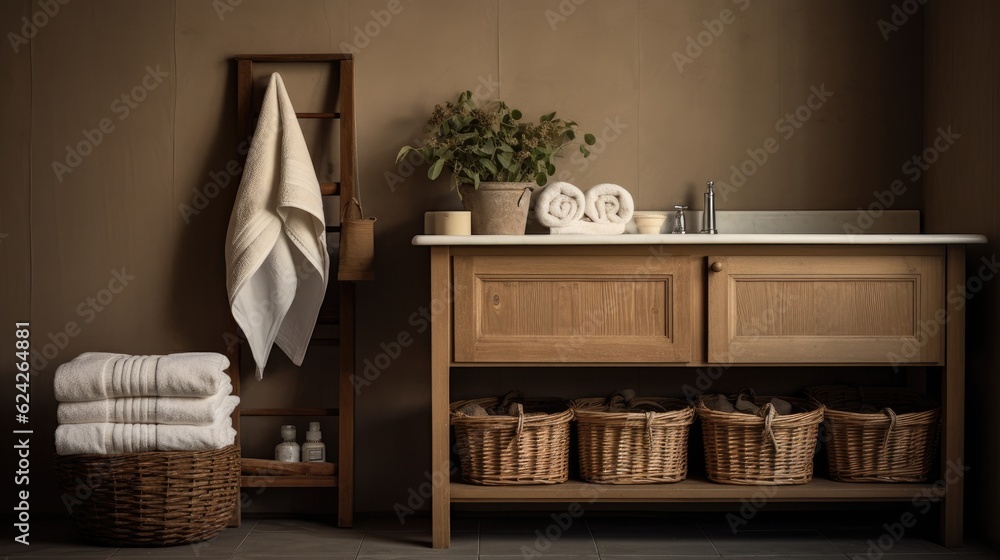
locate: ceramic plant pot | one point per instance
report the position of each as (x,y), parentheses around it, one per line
(498,208)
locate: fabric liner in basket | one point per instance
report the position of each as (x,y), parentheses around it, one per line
(769,449)
(499,449)
(157,498)
(878,434)
(633,441)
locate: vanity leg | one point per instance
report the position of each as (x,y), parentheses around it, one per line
(440,358)
(953,408)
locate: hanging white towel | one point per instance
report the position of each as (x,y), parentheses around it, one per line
(276,261)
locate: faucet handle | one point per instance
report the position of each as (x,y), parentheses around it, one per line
(679,226)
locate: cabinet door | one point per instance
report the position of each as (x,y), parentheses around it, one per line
(819,310)
(607,309)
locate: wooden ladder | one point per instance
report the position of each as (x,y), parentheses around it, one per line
(343,317)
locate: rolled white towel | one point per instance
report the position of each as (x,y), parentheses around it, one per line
(608,203)
(560,204)
(94,376)
(107,438)
(192,411)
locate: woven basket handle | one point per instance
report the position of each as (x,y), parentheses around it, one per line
(520,425)
(892,426)
(349,209)
(649,430)
(769,414)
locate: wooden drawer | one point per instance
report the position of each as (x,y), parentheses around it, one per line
(606,309)
(825,310)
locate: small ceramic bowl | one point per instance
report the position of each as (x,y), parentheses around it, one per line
(649,222)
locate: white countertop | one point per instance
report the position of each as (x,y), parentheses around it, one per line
(703,239)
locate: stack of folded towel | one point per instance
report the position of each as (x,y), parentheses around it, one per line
(116,403)
(565,209)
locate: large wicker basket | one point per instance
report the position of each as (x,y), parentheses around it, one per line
(151,499)
(638,447)
(532,448)
(776,449)
(878,434)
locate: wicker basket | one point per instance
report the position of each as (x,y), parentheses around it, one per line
(896,444)
(151,499)
(532,448)
(743,448)
(640,447)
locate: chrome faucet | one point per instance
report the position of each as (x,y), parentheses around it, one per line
(679,219)
(708,218)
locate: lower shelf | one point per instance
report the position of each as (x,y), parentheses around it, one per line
(288,481)
(692,489)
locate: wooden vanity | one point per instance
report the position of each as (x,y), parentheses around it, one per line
(698,300)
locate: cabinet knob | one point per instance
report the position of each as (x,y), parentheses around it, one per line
(716,266)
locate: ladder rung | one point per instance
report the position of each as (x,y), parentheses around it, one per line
(289,412)
(324,342)
(318,115)
(331,319)
(329,189)
(311,57)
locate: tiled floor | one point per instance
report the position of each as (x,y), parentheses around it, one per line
(528,536)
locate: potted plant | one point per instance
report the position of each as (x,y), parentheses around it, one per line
(495,158)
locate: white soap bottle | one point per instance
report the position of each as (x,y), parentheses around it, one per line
(313,450)
(287,451)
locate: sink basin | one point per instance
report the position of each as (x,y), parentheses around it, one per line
(793,221)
